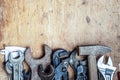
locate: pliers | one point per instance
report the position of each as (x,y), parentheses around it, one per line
(107,70)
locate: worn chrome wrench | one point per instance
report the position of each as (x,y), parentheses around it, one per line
(107,70)
(7,51)
(17,65)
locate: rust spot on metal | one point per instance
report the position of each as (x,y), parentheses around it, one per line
(88,19)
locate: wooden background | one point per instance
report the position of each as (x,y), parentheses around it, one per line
(59,24)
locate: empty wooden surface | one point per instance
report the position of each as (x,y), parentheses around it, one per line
(59,24)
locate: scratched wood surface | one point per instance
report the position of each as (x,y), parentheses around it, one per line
(59,24)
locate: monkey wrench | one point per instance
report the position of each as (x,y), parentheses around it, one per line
(107,70)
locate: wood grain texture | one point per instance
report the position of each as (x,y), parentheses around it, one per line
(60,24)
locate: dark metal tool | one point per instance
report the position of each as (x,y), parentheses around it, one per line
(35,63)
(79,66)
(46,75)
(60,66)
(26,75)
(82,70)
(58,55)
(91,51)
(74,62)
(61,72)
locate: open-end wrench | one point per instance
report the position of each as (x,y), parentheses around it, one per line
(107,70)
(8,68)
(8,49)
(17,66)
(35,63)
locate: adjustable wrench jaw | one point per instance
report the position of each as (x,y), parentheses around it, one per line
(107,70)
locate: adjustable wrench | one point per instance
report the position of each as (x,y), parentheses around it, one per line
(107,70)
(35,63)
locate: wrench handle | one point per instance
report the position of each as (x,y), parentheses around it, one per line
(108,77)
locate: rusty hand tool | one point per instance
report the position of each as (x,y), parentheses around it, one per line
(107,70)
(91,51)
(35,63)
(48,75)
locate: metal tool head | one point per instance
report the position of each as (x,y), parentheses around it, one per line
(58,55)
(101,64)
(93,50)
(8,49)
(106,69)
(34,63)
(44,61)
(61,72)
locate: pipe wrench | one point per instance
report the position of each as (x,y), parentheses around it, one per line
(107,70)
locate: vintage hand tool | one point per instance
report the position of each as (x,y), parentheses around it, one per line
(58,55)
(9,49)
(74,62)
(91,51)
(61,72)
(8,65)
(60,66)
(8,68)
(107,70)
(35,63)
(14,66)
(82,70)
(48,75)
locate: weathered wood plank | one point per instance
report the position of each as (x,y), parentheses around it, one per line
(60,24)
